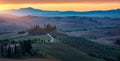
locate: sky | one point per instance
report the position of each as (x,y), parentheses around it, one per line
(61,5)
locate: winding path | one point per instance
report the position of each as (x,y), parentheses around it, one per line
(52,39)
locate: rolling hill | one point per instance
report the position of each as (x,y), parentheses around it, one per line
(115,13)
(57,50)
(21,19)
(103,36)
(64,52)
(64,23)
(94,49)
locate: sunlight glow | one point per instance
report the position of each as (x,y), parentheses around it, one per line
(63,7)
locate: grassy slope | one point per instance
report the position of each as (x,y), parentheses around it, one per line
(91,48)
(64,52)
(58,50)
(43,37)
(96,34)
(48,58)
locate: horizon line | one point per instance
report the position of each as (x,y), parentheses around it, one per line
(63,7)
(63,10)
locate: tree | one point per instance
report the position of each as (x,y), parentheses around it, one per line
(18,51)
(2,50)
(13,42)
(5,40)
(26,46)
(15,50)
(22,47)
(9,51)
(119,58)
(48,40)
(117,42)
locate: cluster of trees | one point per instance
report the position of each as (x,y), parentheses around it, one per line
(5,40)
(39,41)
(117,42)
(12,49)
(36,40)
(26,46)
(21,48)
(39,30)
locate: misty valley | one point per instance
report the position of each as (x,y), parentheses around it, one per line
(33,34)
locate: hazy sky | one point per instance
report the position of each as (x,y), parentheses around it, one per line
(61,5)
(55,1)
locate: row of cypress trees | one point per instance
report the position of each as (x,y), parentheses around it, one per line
(15,50)
(8,51)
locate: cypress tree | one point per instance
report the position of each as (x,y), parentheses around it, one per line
(19,51)
(15,50)
(2,50)
(28,46)
(22,47)
(9,51)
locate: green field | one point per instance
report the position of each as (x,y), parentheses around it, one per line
(63,52)
(91,48)
(67,48)
(43,37)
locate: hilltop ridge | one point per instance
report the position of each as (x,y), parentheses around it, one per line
(114,13)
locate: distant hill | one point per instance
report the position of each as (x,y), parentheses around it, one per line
(37,12)
(71,23)
(10,27)
(102,36)
(7,15)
